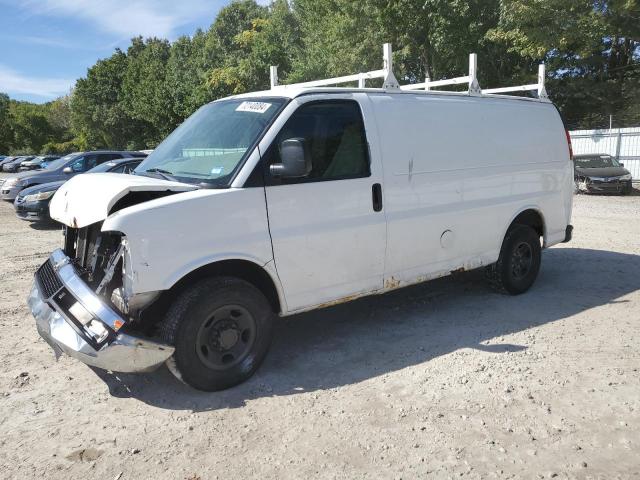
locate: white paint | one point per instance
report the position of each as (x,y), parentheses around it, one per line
(476,163)
(451,162)
(171,236)
(327,240)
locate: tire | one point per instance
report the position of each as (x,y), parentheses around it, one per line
(221,329)
(519,261)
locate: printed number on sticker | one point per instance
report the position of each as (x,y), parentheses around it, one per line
(256,107)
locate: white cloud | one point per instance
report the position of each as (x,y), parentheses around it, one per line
(127,18)
(47,42)
(13,83)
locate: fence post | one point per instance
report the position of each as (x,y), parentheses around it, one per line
(273,72)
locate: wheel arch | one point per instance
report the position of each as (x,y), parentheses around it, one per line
(531,216)
(258,275)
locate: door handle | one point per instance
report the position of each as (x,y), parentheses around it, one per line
(376,196)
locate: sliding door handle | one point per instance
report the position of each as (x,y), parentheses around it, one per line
(376,196)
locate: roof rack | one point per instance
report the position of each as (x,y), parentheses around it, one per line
(390,81)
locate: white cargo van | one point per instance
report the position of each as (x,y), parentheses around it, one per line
(293,199)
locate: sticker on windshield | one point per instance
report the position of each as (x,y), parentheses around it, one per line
(217,170)
(255,107)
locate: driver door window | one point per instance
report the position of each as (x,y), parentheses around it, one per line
(334,134)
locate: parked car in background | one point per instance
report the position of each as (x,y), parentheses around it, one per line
(15,164)
(61,169)
(6,160)
(36,162)
(32,204)
(601,173)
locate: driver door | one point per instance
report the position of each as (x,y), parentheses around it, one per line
(328,234)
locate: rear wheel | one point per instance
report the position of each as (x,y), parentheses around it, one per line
(221,329)
(519,261)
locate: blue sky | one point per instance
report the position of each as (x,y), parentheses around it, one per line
(45,45)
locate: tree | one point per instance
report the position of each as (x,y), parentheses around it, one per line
(97,112)
(229,42)
(592,49)
(30,127)
(144,96)
(6,131)
(133,99)
(186,76)
(430,38)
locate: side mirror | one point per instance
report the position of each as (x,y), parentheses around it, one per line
(621,164)
(67,170)
(295,157)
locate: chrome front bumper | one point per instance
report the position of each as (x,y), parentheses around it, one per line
(119,353)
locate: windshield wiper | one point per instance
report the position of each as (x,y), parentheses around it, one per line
(167,175)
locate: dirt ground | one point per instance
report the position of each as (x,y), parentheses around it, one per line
(442,380)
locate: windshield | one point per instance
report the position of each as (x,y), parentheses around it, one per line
(60,162)
(211,144)
(599,161)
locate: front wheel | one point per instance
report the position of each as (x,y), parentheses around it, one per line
(519,261)
(221,329)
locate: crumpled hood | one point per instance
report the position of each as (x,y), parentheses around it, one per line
(87,199)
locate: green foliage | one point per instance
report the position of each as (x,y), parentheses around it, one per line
(186,76)
(98,113)
(30,127)
(134,98)
(6,128)
(230,46)
(144,95)
(592,49)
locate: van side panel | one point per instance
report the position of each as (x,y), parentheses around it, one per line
(457,170)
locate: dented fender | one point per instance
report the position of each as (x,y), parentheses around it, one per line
(169,237)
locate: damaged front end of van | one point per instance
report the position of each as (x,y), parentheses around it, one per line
(80,296)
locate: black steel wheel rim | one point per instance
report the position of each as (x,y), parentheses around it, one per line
(521,260)
(225,338)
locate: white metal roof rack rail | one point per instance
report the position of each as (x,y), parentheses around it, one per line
(390,81)
(386,73)
(471,80)
(539,87)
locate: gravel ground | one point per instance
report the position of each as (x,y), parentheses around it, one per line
(440,380)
